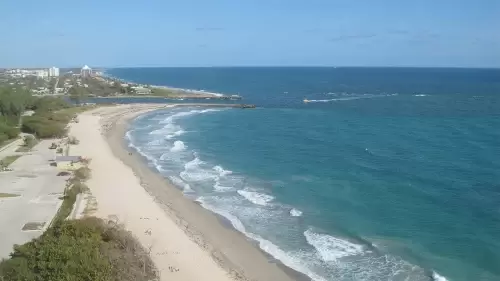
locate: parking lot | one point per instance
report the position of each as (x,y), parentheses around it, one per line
(34,190)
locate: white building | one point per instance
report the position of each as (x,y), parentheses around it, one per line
(41,73)
(53,72)
(86,71)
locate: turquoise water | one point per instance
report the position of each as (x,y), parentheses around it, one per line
(389,174)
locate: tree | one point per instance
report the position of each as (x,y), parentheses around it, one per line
(76,94)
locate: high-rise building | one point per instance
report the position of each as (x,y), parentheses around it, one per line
(86,71)
(53,71)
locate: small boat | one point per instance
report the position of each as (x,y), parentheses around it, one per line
(306,101)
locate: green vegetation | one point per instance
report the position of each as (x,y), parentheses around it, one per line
(29,143)
(51,117)
(76,185)
(77,94)
(13,102)
(8,160)
(69,200)
(47,122)
(162,92)
(80,250)
(8,195)
(73,140)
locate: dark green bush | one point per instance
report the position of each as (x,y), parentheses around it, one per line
(49,104)
(3,137)
(80,250)
(9,130)
(43,127)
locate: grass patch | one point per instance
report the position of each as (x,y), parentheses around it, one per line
(6,142)
(28,144)
(75,110)
(8,195)
(77,250)
(161,92)
(69,200)
(76,186)
(8,160)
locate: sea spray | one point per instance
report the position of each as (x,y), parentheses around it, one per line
(295,213)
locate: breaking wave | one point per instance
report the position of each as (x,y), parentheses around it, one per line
(437,277)
(178,146)
(348,97)
(256,197)
(295,213)
(255,213)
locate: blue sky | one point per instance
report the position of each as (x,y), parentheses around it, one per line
(110,33)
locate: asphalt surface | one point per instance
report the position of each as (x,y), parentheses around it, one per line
(39,189)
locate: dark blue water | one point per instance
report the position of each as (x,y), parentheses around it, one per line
(386,174)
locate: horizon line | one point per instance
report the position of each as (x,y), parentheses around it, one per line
(264,66)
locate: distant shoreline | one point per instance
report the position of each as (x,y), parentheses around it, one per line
(177,92)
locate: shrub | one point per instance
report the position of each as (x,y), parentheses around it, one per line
(49,104)
(82,174)
(73,140)
(3,137)
(43,127)
(80,250)
(8,130)
(12,132)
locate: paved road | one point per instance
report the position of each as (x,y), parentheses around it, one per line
(39,188)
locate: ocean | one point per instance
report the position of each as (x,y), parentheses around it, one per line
(386,174)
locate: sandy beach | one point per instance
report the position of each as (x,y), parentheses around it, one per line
(186,242)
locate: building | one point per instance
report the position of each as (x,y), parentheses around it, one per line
(53,72)
(41,73)
(142,90)
(86,71)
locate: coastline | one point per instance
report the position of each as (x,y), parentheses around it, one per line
(179,93)
(214,237)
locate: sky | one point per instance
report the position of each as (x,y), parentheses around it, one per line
(126,33)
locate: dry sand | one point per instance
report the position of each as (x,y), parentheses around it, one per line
(186,242)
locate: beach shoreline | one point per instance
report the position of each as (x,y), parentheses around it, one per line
(231,250)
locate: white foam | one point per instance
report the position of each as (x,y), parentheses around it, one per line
(438,277)
(292,260)
(180,183)
(221,171)
(347,97)
(256,197)
(175,134)
(193,164)
(193,172)
(331,248)
(295,213)
(221,188)
(178,146)
(128,135)
(155,142)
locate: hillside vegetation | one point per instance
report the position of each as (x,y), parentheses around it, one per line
(80,250)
